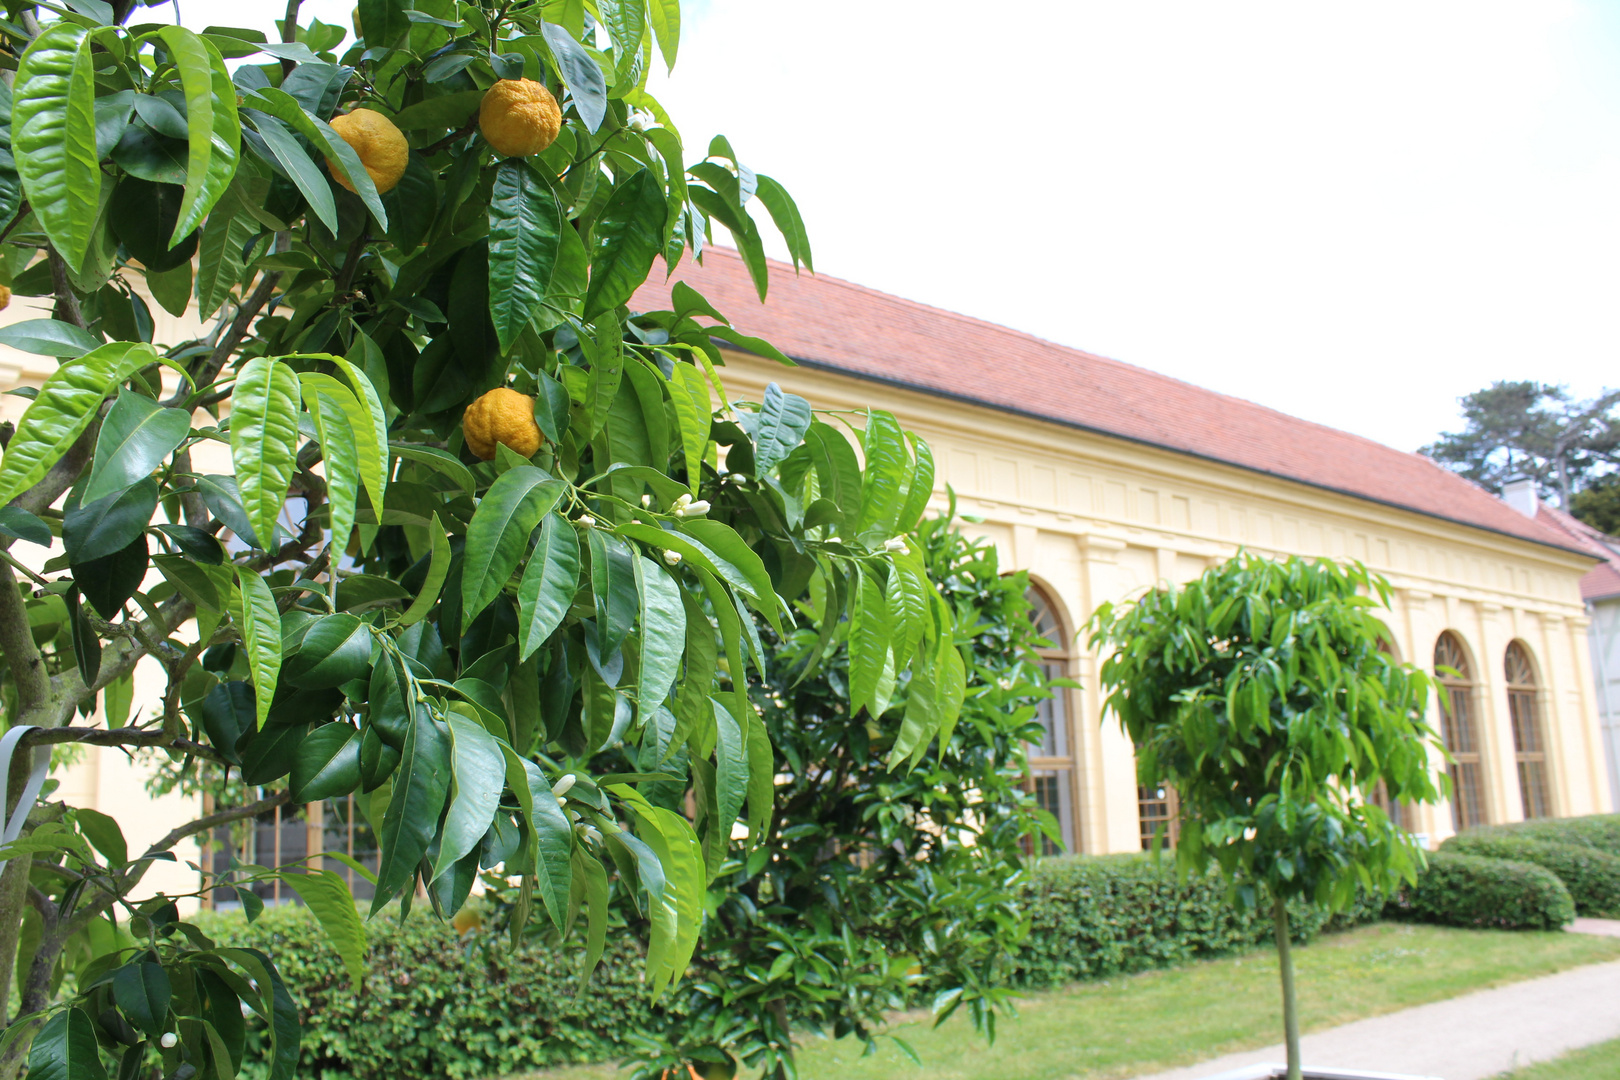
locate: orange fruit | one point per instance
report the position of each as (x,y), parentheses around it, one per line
(502,417)
(380,145)
(519,117)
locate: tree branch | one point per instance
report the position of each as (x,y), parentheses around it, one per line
(131,737)
(67,301)
(17,642)
(233,337)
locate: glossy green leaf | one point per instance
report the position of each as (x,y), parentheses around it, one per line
(665,16)
(329,652)
(626,21)
(421,784)
(224,500)
(888,468)
(438,567)
(549,583)
(65,1048)
(920,488)
(551,835)
(479,769)
(104,833)
(838,471)
(613,586)
(53,136)
(109,525)
(134,439)
(64,408)
(219,254)
(785,214)
(82,636)
(299,166)
(584,80)
(438,460)
(761,781)
(694,415)
(259,622)
(214,135)
(869,634)
(264,440)
(277,1007)
(384,22)
(19,524)
(498,535)
(327,764)
(589,868)
(525,234)
(782,421)
(284,107)
(327,895)
(663,638)
(342,458)
(48,337)
(367,420)
(627,237)
(722,540)
(731,763)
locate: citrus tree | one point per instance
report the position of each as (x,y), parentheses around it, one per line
(1262,692)
(519,584)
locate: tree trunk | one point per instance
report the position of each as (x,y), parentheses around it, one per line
(1285,956)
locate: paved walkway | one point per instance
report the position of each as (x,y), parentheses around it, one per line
(1472,1037)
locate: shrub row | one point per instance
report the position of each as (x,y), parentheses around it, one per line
(1096,916)
(1591,875)
(1600,831)
(1473,891)
(438,1006)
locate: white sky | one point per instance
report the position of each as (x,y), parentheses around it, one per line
(1353,212)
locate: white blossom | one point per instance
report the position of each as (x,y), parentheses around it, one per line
(168,1041)
(672,558)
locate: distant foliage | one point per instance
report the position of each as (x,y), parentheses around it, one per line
(1591,876)
(1598,504)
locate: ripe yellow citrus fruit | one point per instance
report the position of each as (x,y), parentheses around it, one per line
(502,417)
(382,149)
(5,297)
(519,117)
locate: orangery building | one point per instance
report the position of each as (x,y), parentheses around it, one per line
(1102,480)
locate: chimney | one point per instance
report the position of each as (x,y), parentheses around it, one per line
(1520,493)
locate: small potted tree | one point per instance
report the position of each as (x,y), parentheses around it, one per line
(1261,692)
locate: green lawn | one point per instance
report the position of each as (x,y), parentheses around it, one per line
(1600,1062)
(1160,1019)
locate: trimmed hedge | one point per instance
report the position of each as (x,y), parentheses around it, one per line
(1591,875)
(1473,891)
(1601,831)
(437,1006)
(1096,916)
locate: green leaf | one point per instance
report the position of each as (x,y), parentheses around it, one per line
(549,583)
(327,895)
(723,541)
(104,834)
(327,764)
(498,535)
(278,1007)
(142,992)
(284,107)
(134,439)
(48,337)
(665,16)
(383,22)
(785,213)
(613,585)
(838,472)
(920,488)
(869,634)
(330,651)
(421,783)
(110,524)
(19,524)
(479,769)
(264,440)
(54,137)
(65,406)
(214,133)
(342,457)
(224,500)
(588,867)
(438,460)
(761,781)
(626,239)
(438,567)
(663,634)
(731,764)
(300,168)
(525,234)
(551,837)
(367,419)
(888,468)
(782,421)
(694,415)
(86,645)
(219,255)
(579,74)
(65,1048)
(253,609)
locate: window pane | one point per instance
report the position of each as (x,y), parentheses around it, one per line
(1155,807)
(1054,718)
(1054,792)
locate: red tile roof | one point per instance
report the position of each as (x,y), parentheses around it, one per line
(1602,582)
(823,322)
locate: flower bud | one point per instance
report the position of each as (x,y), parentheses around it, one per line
(692,509)
(168,1040)
(672,558)
(646,500)
(897,543)
(564,785)
(585,521)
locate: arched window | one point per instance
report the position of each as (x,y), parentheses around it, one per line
(1529,749)
(1459,727)
(1051,762)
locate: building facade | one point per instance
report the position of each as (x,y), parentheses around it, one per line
(1103,480)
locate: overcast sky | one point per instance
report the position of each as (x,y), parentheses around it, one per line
(1350,212)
